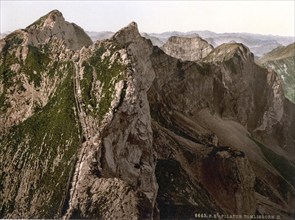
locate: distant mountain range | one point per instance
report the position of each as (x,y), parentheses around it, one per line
(258,44)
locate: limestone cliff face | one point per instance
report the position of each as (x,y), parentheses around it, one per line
(116,162)
(245,80)
(187,48)
(54,26)
(209,121)
(86,151)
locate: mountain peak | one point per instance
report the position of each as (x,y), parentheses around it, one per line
(55,12)
(229,50)
(133,24)
(127,34)
(47,20)
(281,52)
(54,25)
(54,16)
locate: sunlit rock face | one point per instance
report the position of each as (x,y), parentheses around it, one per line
(187,48)
(117,158)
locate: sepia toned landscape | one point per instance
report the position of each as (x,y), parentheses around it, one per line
(137,125)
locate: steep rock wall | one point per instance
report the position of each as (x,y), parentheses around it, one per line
(223,104)
(116,156)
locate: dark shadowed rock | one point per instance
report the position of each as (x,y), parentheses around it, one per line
(220,120)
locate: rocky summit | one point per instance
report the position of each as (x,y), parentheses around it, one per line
(121,129)
(187,48)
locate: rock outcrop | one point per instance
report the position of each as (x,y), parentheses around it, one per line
(53,25)
(187,48)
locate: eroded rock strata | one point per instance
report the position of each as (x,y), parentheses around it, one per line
(187,48)
(217,122)
(118,129)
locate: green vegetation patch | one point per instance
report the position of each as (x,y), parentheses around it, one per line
(108,73)
(2,100)
(286,69)
(12,40)
(86,85)
(55,130)
(35,63)
(7,57)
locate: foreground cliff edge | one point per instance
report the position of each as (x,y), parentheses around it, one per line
(119,129)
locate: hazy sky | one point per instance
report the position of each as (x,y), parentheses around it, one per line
(265,17)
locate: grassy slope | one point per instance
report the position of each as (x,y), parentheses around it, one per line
(54,131)
(279,53)
(107,73)
(37,61)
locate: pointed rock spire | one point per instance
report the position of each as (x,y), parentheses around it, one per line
(127,34)
(53,25)
(47,20)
